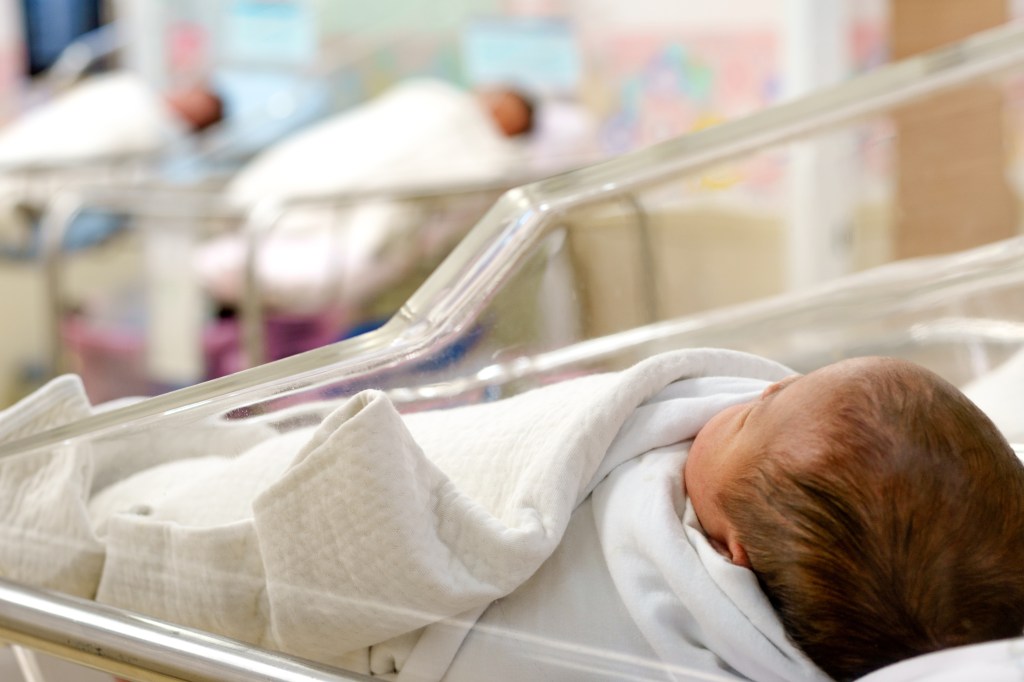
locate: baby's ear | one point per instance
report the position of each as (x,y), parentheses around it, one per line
(779,385)
(736,553)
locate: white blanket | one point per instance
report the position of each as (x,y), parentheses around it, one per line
(999,394)
(375,525)
(422,133)
(107,115)
(46,533)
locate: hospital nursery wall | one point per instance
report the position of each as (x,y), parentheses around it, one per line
(940,175)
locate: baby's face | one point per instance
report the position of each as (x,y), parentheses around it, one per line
(728,443)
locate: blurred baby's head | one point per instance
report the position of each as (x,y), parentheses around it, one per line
(881,510)
(511,110)
(196,105)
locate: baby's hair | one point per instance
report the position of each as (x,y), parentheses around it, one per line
(901,534)
(530,109)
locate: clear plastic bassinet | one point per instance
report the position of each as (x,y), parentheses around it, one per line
(580,274)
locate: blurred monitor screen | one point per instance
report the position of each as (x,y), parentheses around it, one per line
(536,53)
(270,31)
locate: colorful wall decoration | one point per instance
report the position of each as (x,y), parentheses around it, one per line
(657,86)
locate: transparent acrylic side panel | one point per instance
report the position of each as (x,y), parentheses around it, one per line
(144,311)
(123,310)
(718,237)
(884,188)
(960,315)
(26,191)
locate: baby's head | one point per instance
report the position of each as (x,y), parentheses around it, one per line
(882,512)
(197,106)
(511,110)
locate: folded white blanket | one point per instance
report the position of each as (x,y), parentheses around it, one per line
(46,533)
(375,524)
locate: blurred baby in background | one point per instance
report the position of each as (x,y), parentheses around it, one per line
(108,115)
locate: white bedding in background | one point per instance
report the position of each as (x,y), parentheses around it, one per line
(420,134)
(107,115)
(1000,395)
(374,525)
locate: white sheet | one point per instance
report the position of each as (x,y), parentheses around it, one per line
(109,114)
(374,525)
(1000,661)
(1000,395)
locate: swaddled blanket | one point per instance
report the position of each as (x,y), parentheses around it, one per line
(374,524)
(107,115)
(420,134)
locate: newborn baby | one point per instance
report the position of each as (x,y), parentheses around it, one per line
(880,509)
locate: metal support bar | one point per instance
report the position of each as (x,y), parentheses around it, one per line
(648,264)
(54,225)
(28,664)
(261,221)
(138,646)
